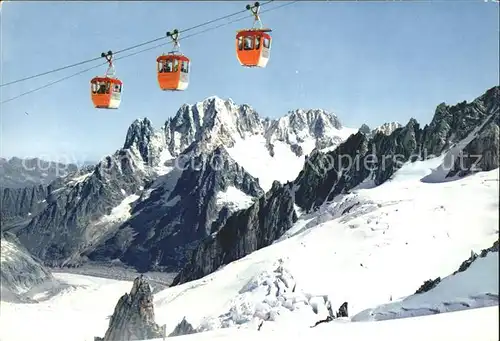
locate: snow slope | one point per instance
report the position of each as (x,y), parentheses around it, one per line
(392,238)
(451,294)
(363,248)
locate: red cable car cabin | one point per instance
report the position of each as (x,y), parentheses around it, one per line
(106,92)
(253,47)
(173,72)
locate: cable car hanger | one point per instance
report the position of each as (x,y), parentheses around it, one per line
(175,38)
(255,9)
(111,71)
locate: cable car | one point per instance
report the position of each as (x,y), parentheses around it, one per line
(173,68)
(253,46)
(106,90)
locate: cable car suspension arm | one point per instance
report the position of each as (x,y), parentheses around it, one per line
(110,72)
(255,9)
(175,38)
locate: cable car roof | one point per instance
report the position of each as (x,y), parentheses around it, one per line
(106,79)
(172,57)
(263,30)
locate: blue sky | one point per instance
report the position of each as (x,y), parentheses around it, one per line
(369,62)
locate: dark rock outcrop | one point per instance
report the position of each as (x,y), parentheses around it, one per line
(19,204)
(178,212)
(133,317)
(343,311)
(465,265)
(325,175)
(428,285)
(243,232)
(481,154)
(183,328)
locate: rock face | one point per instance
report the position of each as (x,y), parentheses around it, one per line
(133,317)
(173,215)
(20,272)
(21,203)
(358,159)
(183,328)
(243,232)
(70,222)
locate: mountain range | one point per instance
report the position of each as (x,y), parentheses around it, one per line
(217,182)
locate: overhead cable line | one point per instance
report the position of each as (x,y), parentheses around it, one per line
(128,48)
(141,51)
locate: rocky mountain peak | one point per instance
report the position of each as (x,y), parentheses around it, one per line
(387,128)
(144,141)
(300,125)
(311,122)
(365,129)
(455,121)
(213,120)
(139,131)
(134,318)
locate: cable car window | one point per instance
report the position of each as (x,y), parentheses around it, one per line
(185,66)
(94,87)
(117,88)
(240,43)
(249,43)
(257,42)
(267,42)
(103,88)
(167,67)
(160,66)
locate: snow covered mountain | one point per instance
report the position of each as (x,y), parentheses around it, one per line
(167,189)
(20,173)
(469,137)
(367,247)
(21,275)
(365,223)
